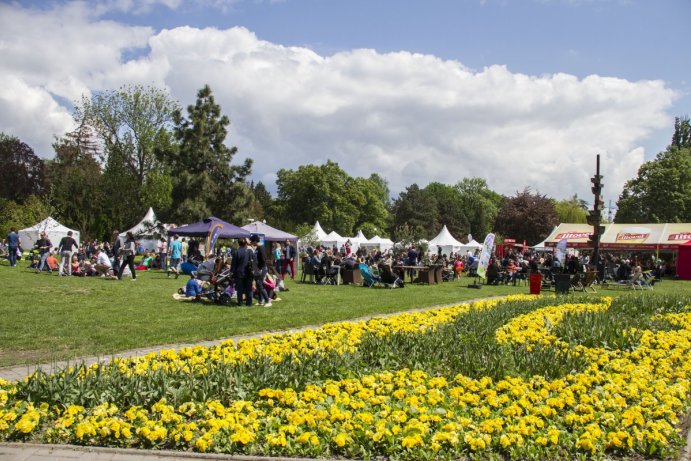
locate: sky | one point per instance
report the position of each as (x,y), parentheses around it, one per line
(522,93)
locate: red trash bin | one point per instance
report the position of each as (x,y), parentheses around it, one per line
(535,283)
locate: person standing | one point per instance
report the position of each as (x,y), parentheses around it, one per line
(175,256)
(278,255)
(43,245)
(66,249)
(260,254)
(185,249)
(127,252)
(163,253)
(241,269)
(13,244)
(288,261)
(115,251)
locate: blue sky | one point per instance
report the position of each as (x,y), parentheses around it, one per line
(523,93)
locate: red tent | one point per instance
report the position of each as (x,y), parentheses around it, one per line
(684,261)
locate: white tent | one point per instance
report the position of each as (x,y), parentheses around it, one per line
(147,232)
(358,240)
(50,226)
(472,246)
(446,242)
(333,238)
(318,231)
(378,242)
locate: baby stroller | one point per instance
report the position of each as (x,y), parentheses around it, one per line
(217,289)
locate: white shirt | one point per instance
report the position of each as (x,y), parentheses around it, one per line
(102,259)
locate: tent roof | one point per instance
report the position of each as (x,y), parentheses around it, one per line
(146,225)
(202,228)
(618,236)
(333,237)
(48,224)
(444,238)
(317,228)
(271,234)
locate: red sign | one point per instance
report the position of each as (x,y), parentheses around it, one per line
(509,240)
(628,237)
(680,236)
(573,235)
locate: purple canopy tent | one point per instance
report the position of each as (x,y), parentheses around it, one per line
(203,227)
(271,234)
(212,228)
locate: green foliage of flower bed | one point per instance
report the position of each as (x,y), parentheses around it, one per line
(413,386)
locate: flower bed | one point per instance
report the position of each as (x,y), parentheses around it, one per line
(521,377)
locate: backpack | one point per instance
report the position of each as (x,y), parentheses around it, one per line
(252,265)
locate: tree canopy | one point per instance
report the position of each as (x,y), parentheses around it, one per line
(22,172)
(328,194)
(526,216)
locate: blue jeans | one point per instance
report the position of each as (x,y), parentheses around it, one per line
(12,255)
(162,258)
(263,295)
(44,263)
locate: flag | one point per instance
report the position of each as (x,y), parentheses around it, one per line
(485,255)
(211,238)
(561,251)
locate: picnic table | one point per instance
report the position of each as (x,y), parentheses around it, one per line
(425,273)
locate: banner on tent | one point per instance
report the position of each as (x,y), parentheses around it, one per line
(214,232)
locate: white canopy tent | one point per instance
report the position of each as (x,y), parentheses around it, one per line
(358,240)
(446,242)
(333,238)
(50,226)
(147,232)
(318,231)
(382,244)
(472,246)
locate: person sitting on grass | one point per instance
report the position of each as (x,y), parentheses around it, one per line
(193,288)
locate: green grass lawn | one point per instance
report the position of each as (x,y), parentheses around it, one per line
(47,318)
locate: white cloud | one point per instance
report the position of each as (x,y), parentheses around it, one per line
(409,117)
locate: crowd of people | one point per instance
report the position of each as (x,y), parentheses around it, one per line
(257,269)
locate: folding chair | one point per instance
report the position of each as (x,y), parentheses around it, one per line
(368,279)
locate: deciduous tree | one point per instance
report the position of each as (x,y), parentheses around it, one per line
(573,210)
(22,172)
(526,216)
(480,205)
(76,180)
(128,120)
(661,192)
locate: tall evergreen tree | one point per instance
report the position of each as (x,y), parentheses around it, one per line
(205,182)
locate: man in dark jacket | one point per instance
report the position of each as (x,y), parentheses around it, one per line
(289,261)
(260,254)
(242,273)
(44,246)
